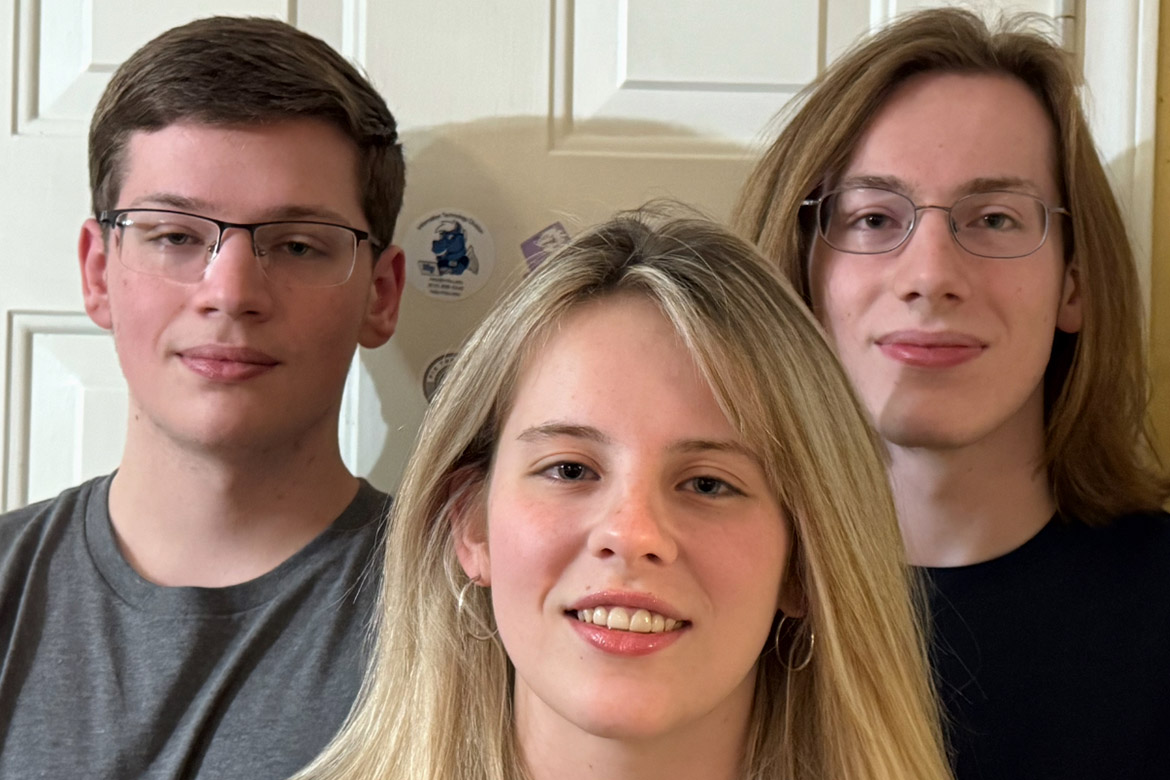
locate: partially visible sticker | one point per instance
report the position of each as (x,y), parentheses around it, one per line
(449,254)
(435,373)
(538,247)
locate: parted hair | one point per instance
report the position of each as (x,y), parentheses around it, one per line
(1098,451)
(436,702)
(227,70)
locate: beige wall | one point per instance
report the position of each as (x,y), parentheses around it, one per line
(1160,305)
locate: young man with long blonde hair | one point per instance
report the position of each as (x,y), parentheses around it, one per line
(937,200)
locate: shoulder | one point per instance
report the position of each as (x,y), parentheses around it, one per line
(36,520)
(42,538)
(1154,522)
(1140,534)
(345,553)
(1128,556)
(366,513)
(1068,555)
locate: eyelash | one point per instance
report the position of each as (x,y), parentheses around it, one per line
(556,472)
(724,488)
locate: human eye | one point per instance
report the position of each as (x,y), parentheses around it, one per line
(295,241)
(995,213)
(165,236)
(297,248)
(707,485)
(569,471)
(870,210)
(998,221)
(873,220)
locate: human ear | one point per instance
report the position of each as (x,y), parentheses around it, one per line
(93,258)
(469,528)
(1069,315)
(381,316)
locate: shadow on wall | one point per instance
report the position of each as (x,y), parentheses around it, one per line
(505,176)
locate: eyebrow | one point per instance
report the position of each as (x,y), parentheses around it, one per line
(989,184)
(551,430)
(980,184)
(200,206)
(554,429)
(878,182)
(714,445)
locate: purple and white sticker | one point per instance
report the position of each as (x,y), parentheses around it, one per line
(538,247)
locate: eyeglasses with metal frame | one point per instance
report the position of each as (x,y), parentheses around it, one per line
(180,246)
(870,220)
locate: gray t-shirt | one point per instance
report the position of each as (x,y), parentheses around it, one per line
(106,675)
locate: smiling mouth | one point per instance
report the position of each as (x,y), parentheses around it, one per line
(638,621)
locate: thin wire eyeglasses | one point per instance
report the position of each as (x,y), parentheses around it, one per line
(871,220)
(180,246)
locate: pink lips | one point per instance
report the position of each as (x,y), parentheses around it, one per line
(628,599)
(925,349)
(624,643)
(223,363)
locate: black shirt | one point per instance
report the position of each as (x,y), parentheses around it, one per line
(1053,661)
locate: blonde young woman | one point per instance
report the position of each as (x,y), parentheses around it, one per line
(937,199)
(645,533)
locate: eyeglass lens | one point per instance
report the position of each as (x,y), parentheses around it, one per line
(865,220)
(181,246)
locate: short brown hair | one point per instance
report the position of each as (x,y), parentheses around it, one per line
(1097,443)
(229,70)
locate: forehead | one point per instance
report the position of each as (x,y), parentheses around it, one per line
(618,352)
(244,172)
(939,134)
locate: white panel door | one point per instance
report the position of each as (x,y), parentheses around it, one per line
(523,121)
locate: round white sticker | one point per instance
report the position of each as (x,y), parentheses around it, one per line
(449,254)
(435,373)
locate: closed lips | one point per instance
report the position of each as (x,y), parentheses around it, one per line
(229,354)
(912,338)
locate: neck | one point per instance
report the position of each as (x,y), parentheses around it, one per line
(189,516)
(554,749)
(974,503)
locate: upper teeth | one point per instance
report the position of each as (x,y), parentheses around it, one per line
(642,621)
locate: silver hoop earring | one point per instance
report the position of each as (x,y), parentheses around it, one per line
(464,616)
(812,641)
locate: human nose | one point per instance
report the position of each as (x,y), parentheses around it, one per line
(931,265)
(635,526)
(234,283)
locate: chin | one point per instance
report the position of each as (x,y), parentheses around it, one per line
(626,728)
(925,434)
(928,423)
(617,720)
(226,436)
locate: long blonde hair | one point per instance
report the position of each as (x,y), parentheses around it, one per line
(436,704)
(1097,444)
